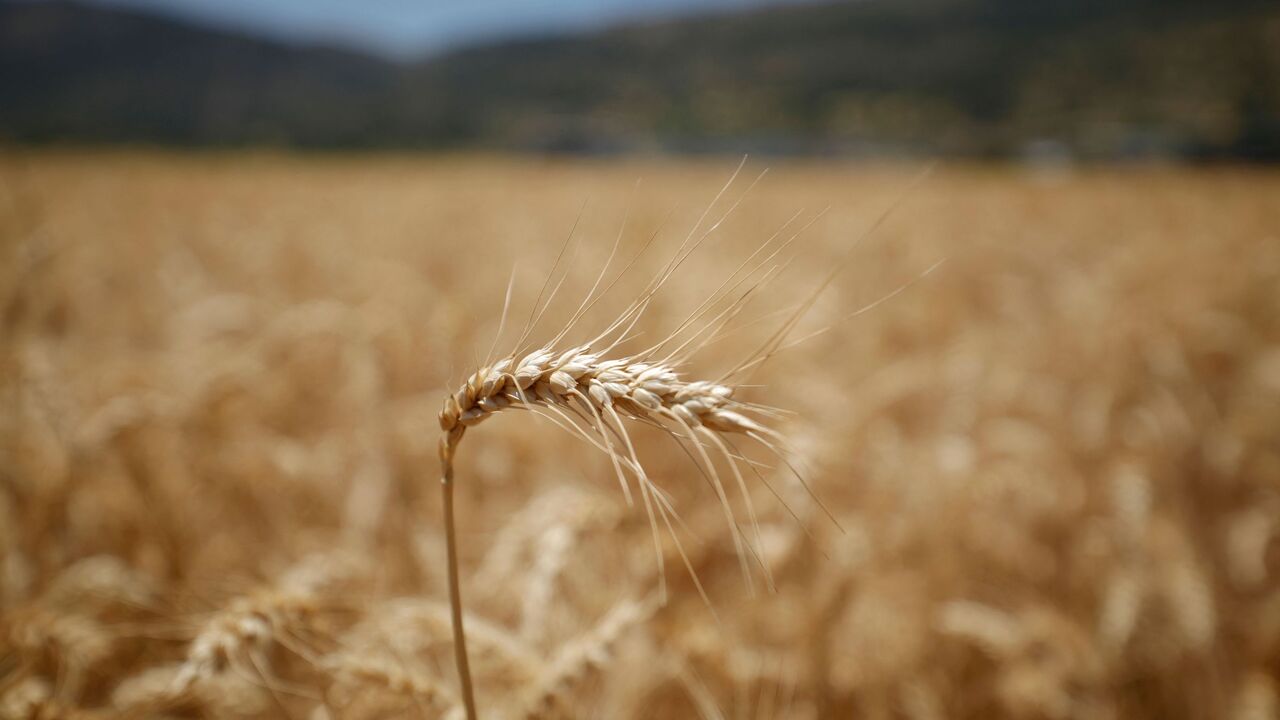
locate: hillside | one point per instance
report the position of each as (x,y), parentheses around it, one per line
(76,72)
(963,77)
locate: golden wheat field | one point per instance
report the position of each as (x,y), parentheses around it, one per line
(1045,476)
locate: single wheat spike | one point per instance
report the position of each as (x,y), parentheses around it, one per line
(354,671)
(242,632)
(575,660)
(239,636)
(594,392)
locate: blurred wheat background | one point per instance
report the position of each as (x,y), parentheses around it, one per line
(1055,461)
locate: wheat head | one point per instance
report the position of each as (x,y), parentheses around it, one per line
(594,391)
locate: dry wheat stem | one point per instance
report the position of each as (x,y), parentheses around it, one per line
(455,592)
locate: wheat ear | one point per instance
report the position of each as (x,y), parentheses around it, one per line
(589,391)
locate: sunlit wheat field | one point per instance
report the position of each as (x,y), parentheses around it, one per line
(1043,479)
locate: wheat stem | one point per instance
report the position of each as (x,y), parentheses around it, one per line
(447,446)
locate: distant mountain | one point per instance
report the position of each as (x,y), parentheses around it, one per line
(968,77)
(85,73)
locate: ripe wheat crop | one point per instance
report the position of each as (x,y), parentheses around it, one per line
(1041,483)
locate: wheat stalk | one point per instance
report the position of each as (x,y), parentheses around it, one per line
(585,391)
(593,391)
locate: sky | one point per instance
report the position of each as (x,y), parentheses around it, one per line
(412,28)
